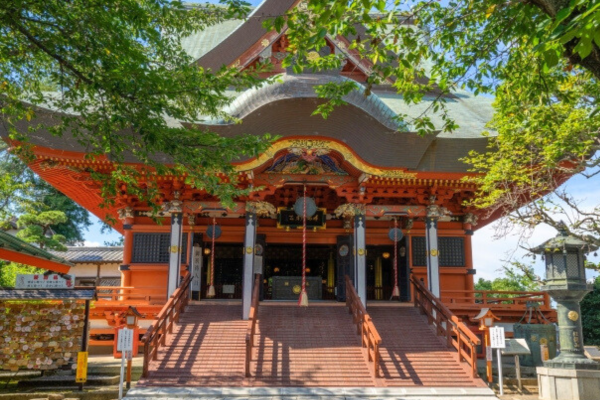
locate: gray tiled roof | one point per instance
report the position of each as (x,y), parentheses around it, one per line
(201,42)
(79,254)
(303,86)
(244,35)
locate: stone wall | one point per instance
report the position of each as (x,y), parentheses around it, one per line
(40,335)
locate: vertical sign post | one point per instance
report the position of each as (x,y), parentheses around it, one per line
(82,364)
(516,348)
(125,346)
(498,342)
(82,356)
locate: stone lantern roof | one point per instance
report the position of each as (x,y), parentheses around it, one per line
(564,241)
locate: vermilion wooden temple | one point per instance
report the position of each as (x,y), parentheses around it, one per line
(366,174)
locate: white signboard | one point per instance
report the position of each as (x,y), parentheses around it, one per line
(497,337)
(41,281)
(125,340)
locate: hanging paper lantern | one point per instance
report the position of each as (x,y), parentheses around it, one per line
(395,234)
(209,231)
(311,207)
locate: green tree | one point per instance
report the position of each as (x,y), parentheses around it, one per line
(515,277)
(9,272)
(590,315)
(120,73)
(78,218)
(22,191)
(539,58)
(37,229)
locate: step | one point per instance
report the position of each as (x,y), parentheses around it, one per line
(316,393)
(69,380)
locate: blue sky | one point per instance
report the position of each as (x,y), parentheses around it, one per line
(488,251)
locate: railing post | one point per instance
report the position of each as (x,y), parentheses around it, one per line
(474,361)
(546,300)
(458,340)
(146,360)
(376,360)
(448,333)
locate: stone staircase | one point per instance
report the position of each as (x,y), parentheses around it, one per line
(207,348)
(309,352)
(411,353)
(313,346)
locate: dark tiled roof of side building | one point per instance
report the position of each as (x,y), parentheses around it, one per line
(82,254)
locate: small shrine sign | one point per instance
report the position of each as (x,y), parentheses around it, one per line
(41,281)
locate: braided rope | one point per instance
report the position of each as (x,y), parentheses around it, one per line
(304,242)
(212,254)
(395,253)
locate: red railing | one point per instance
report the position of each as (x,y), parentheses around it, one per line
(496,299)
(446,324)
(253,316)
(152,294)
(156,335)
(370,338)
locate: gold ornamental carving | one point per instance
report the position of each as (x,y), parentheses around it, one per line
(435,211)
(348,155)
(174,206)
(262,209)
(434,253)
(125,213)
(349,210)
(312,56)
(573,316)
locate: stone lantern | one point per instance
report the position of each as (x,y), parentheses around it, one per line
(566,284)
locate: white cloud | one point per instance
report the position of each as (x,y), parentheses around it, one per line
(87,243)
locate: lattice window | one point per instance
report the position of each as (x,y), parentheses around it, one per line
(573,265)
(452,251)
(154,248)
(419,251)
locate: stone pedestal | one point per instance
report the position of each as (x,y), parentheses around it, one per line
(568,384)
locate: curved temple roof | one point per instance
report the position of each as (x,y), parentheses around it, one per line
(303,86)
(366,125)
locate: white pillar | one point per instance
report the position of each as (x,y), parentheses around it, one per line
(249,243)
(360,263)
(175,252)
(434,212)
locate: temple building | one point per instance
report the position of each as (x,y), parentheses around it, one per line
(389,204)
